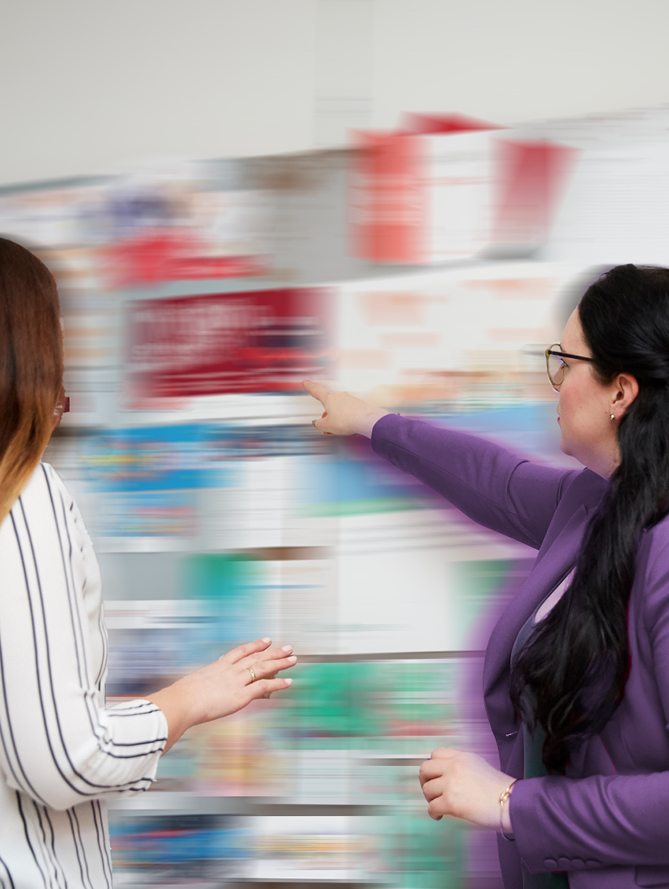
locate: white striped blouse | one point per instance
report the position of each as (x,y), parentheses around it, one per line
(62,751)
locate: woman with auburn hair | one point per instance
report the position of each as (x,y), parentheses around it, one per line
(576,674)
(63,752)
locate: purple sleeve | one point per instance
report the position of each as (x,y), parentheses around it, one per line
(568,824)
(493,487)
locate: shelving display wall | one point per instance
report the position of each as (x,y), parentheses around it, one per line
(220,515)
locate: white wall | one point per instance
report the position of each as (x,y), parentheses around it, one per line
(93,86)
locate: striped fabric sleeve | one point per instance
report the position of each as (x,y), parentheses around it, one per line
(59,743)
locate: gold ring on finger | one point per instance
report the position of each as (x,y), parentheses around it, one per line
(253,673)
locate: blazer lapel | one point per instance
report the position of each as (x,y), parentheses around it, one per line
(551,566)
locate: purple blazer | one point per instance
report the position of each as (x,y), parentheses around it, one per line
(607,821)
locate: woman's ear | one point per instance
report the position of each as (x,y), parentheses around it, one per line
(626,389)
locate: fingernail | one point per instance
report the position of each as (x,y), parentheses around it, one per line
(266,639)
(287,648)
(288,681)
(292,659)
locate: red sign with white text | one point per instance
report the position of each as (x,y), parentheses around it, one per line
(256,341)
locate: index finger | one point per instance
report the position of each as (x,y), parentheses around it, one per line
(315,390)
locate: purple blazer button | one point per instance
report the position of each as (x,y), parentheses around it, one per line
(563,863)
(592,862)
(577,863)
(550,863)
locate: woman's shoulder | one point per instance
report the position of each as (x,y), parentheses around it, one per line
(43,506)
(581,487)
(651,568)
(39,488)
(46,496)
(655,539)
(47,491)
(650,588)
(45,482)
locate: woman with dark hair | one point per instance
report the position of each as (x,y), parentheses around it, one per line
(62,750)
(576,674)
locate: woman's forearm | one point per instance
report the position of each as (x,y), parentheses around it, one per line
(367,420)
(175,704)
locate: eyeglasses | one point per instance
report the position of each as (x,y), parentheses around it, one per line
(555,365)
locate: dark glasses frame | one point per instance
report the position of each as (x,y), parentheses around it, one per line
(559,354)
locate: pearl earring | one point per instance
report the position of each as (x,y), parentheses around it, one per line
(613,416)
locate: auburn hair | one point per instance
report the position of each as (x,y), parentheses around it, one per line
(31,366)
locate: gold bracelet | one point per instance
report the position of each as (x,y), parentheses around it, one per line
(503,797)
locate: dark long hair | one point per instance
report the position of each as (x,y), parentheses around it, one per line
(31,366)
(571,676)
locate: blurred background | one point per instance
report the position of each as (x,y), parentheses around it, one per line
(404,200)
